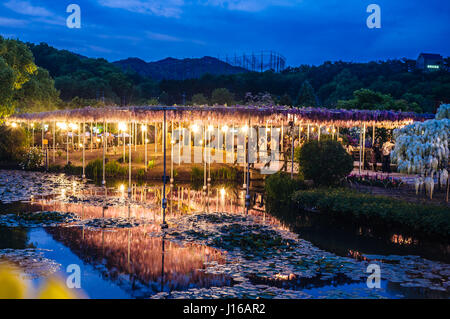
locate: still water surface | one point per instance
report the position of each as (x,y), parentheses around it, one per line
(129,263)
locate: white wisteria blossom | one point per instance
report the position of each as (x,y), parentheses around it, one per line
(422,148)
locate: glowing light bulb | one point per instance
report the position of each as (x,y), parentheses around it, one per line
(62,126)
(194,128)
(14,125)
(268,129)
(72,126)
(245,128)
(224,128)
(222,192)
(210,128)
(122,187)
(122,127)
(144,128)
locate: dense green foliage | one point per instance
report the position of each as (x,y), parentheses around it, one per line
(393,84)
(94,169)
(93,80)
(12,143)
(23,85)
(31,159)
(279,188)
(219,174)
(401,86)
(325,162)
(377,210)
(222,96)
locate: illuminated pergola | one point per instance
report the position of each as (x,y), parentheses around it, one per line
(220,118)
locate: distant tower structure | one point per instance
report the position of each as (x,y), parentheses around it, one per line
(258,62)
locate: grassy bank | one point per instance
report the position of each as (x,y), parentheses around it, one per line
(288,198)
(377,211)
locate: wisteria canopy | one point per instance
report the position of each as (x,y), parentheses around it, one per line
(228,115)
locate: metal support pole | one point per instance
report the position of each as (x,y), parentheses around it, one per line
(247,195)
(129,160)
(156,137)
(105,132)
(84,150)
(145,146)
(67,146)
(171,155)
(164,201)
(360,150)
(42,137)
(292,151)
(204,159)
(364,144)
(54,142)
(104,154)
(92,136)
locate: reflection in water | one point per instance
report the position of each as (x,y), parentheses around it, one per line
(347,239)
(143,265)
(145,203)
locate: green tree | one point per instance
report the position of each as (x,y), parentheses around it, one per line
(222,96)
(325,162)
(16,68)
(199,99)
(12,143)
(306,96)
(38,94)
(285,100)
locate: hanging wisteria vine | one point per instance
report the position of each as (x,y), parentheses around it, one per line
(423,148)
(229,115)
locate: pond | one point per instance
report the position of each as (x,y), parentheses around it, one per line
(212,248)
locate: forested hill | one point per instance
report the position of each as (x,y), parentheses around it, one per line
(178,69)
(392,85)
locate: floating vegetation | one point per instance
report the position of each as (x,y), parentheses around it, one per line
(37,219)
(119,222)
(31,261)
(272,263)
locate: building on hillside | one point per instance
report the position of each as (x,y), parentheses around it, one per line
(429,62)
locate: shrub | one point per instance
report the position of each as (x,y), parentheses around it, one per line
(279,188)
(114,169)
(140,174)
(71,169)
(219,174)
(325,162)
(55,168)
(196,173)
(127,159)
(151,164)
(94,169)
(12,143)
(31,159)
(381,211)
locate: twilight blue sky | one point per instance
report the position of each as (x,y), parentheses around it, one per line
(304,31)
